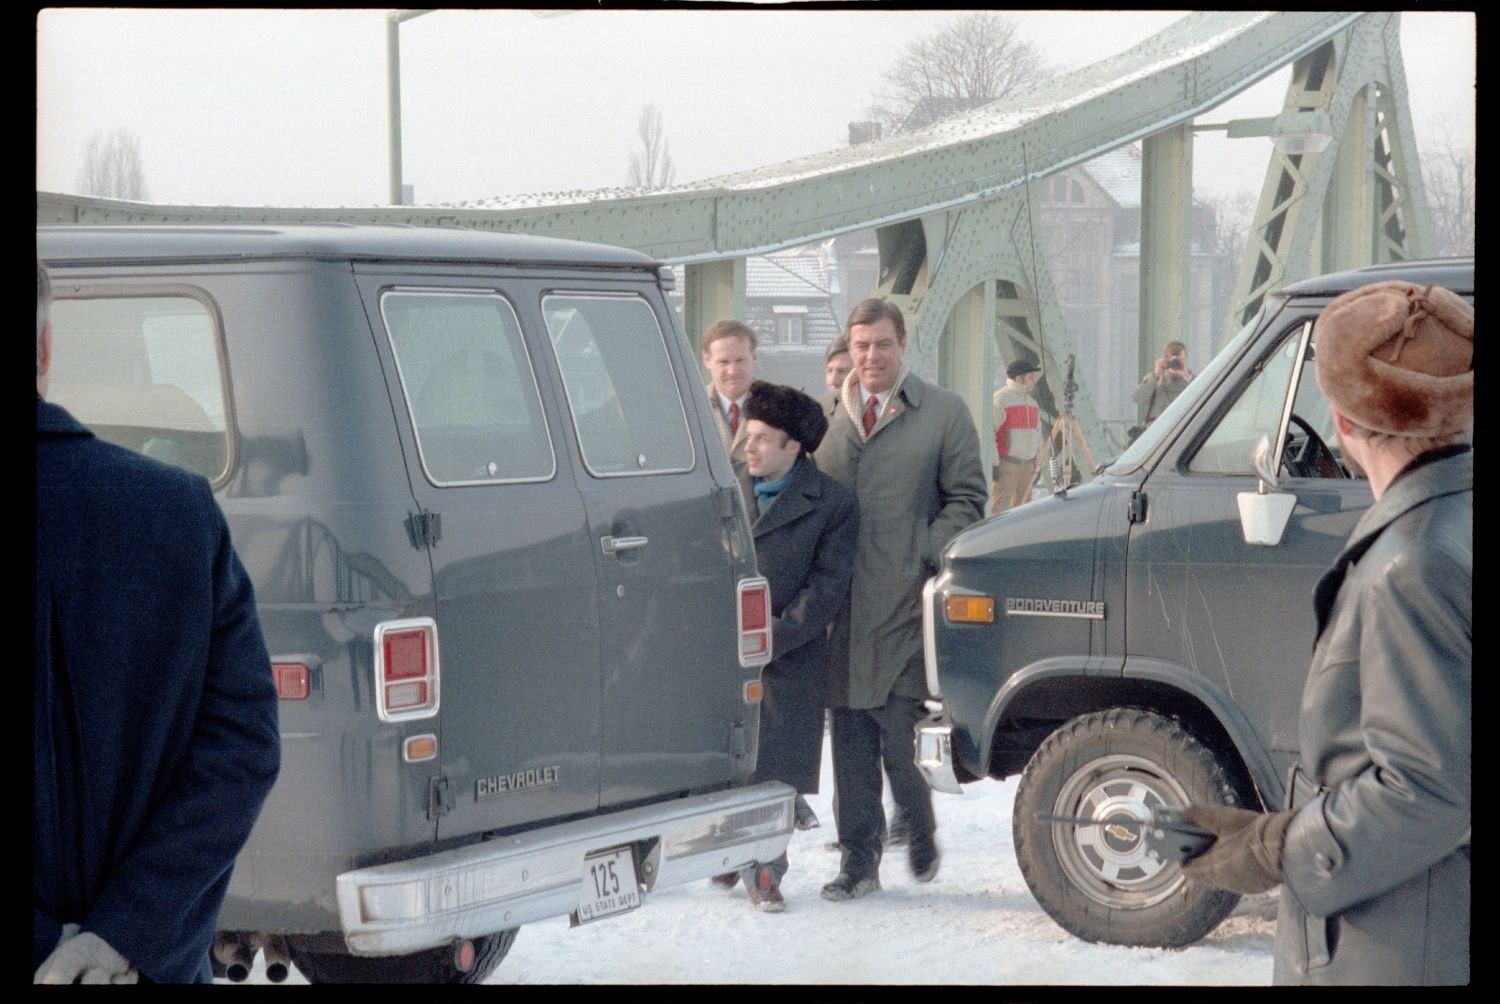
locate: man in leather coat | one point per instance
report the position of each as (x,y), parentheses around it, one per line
(1372,852)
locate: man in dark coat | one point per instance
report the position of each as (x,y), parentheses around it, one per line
(910,452)
(155,734)
(806,525)
(1373,851)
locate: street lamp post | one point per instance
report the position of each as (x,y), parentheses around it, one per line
(393,92)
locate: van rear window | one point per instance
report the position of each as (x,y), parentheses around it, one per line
(469,387)
(145,373)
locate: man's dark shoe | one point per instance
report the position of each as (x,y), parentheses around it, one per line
(924,858)
(804,817)
(764,895)
(726,881)
(845,886)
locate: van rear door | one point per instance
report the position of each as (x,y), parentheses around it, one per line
(673,719)
(518,716)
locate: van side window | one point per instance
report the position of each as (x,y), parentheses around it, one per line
(144,372)
(620,385)
(1310,450)
(469,387)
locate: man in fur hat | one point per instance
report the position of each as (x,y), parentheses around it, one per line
(1372,854)
(806,526)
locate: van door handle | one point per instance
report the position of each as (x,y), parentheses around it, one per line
(614,545)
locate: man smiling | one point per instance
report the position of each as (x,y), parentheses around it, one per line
(910,452)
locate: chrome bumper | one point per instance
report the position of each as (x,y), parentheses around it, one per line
(406,906)
(935,753)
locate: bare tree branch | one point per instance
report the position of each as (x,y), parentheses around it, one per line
(112,167)
(651,165)
(1448,171)
(967,64)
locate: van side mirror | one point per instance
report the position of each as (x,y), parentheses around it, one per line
(1264,513)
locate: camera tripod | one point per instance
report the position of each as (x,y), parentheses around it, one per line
(1067,433)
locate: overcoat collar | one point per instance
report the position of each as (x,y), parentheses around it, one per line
(55,420)
(908,388)
(1447,476)
(793,502)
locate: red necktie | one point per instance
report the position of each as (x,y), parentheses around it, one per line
(870,416)
(734,418)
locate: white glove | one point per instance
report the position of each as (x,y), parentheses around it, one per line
(84,958)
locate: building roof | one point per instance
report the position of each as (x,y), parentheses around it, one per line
(784,275)
(1118,172)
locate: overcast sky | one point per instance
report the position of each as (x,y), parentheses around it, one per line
(277,107)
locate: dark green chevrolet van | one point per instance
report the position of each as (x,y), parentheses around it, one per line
(1142,640)
(500,558)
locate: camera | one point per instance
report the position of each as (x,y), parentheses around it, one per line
(1174,363)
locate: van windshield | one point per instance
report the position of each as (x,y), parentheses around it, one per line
(1158,430)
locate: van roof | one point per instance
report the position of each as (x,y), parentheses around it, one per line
(1456,274)
(167,242)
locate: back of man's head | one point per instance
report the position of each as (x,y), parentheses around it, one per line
(1397,359)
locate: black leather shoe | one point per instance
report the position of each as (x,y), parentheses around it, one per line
(924,858)
(726,881)
(845,886)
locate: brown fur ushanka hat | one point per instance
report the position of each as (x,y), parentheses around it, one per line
(789,410)
(1396,358)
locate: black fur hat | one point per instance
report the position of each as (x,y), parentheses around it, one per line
(789,410)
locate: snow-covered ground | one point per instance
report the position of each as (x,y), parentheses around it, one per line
(976,923)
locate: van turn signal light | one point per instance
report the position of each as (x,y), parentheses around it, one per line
(971,609)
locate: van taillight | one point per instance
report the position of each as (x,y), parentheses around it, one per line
(406,669)
(755,622)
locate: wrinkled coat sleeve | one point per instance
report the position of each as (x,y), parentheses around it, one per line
(807,615)
(961,485)
(166,892)
(1145,389)
(1411,807)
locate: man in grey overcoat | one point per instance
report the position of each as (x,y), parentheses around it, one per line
(1373,852)
(910,452)
(806,526)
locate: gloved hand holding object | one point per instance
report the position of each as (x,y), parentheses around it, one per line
(84,958)
(1246,856)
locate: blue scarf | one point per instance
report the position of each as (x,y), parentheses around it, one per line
(766,491)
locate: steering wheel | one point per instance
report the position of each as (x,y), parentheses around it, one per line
(1309,457)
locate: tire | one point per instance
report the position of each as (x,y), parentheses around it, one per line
(1102,886)
(432,965)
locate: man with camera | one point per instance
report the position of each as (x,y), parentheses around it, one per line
(1166,380)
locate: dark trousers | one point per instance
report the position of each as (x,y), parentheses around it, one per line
(863,739)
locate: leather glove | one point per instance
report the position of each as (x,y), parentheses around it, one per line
(84,958)
(1245,857)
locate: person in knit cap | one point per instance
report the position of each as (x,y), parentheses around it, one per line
(806,526)
(1372,852)
(1018,436)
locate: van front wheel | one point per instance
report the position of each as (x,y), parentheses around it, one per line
(1099,882)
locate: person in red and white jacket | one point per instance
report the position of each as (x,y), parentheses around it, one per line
(1018,436)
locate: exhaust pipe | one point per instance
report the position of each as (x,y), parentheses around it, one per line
(232,957)
(278,959)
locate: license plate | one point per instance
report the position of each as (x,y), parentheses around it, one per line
(610,885)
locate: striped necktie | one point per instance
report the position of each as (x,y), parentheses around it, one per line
(870,416)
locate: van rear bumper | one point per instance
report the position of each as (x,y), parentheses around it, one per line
(409,905)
